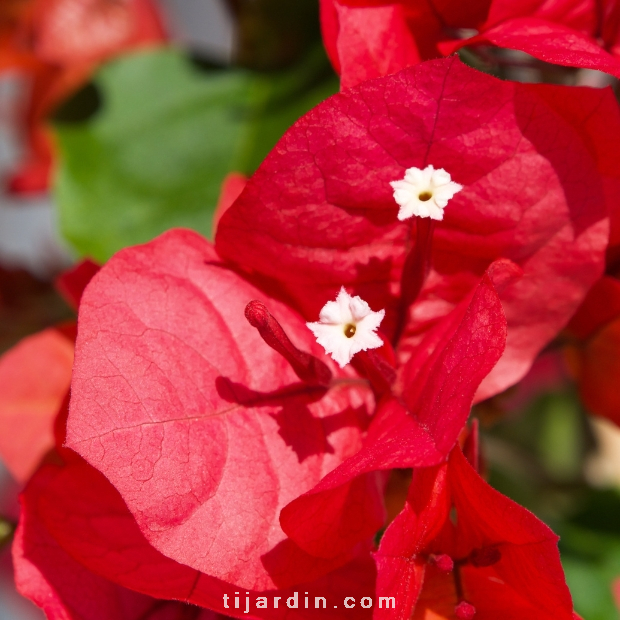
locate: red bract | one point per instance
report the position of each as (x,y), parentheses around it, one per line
(416,430)
(535,166)
(232,186)
(175,288)
(224,449)
(75,32)
(204,430)
(574,34)
(367,44)
(57,44)
(34,379)
(71,511)
(459,549)
(52,578)
(34,384)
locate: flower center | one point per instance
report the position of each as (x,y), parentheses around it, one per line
(425,196)
(349,330)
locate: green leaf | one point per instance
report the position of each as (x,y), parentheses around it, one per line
(279,99)
(154,155)
(591,562)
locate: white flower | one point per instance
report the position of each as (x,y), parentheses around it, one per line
(424,193)
(346,327)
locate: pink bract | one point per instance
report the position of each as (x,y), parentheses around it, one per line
(205,431)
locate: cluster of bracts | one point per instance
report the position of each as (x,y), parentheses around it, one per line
(209,446)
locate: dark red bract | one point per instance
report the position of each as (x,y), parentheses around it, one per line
(63,587)
(593,349)
(574,34)
(538,182)
(459,549)
(75,529)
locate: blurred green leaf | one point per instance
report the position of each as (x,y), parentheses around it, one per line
(278,100)
(155,154)
(560,439)
(590,587)
(536,457)
(591,561)
(153,157)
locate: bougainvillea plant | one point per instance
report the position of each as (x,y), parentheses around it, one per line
(275,425)
(235,453)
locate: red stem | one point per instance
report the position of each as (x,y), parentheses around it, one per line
(415,270)
(376,369)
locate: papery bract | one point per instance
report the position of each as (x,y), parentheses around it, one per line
(506,561)
(34,378)
(574,34)
(417,430)
(232,186)
(75,528)
(319,212)
(547,41)
(72,32)
(204,430)
(367,44)
(34,383)
(49,576)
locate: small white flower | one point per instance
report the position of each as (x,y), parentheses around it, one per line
(346,327)
(424,193)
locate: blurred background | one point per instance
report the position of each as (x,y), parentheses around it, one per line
(118,125)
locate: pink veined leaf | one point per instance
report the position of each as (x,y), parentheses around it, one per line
(205,431)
